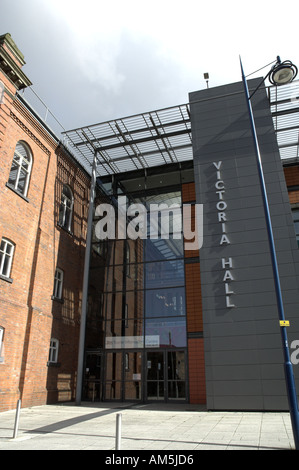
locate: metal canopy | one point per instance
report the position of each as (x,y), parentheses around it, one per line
(164,136)
(136,142)
(284,104)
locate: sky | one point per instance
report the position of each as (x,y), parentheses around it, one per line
(93,60)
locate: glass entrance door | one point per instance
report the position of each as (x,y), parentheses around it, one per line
(123,375)
(176,375)
(92,388)
(166,375)
(148,375)
(155,373)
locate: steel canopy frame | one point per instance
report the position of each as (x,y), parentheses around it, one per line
(284,105)
(164,136)
(135,142)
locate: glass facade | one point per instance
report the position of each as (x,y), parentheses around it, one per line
(136,319)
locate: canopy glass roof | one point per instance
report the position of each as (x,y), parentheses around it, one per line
(164,136)
(284,102)
(136,142)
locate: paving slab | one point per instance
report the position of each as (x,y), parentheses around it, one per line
(154,427)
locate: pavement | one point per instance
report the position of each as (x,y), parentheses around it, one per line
(144,427)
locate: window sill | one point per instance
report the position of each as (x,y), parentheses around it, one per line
(17,192)
(7,279)
(65,229)
(53,364)
(61,301)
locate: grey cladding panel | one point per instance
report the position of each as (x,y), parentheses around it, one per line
(239,296)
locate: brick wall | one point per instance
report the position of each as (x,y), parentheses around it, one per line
(292,180)
(197,381)
(196,366)
(20,314)
(27,312)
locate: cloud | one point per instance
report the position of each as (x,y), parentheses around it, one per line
(147,82)
(95,60)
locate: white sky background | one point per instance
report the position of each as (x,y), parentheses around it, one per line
(95,60)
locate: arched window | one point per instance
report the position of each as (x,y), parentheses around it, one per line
(20,169)
(66,208)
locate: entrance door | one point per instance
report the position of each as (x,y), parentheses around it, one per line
(166,375)
(92,389)
(155,374)
(123,375)
(176,375)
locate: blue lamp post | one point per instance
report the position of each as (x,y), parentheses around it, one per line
(280,74)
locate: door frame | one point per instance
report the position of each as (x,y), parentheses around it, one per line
(143,382)
(89,393)
(122,381)
(165,379)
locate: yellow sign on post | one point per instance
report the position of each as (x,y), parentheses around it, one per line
(284,322)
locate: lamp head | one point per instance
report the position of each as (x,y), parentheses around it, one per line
(283,72)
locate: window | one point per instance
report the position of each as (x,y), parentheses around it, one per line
(6,255)
(58,284)
(20,169)
(66,208)
(1,344)
(53,353)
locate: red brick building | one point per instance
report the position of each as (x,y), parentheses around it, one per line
(44,199)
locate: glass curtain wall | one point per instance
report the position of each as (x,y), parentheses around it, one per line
(137,303)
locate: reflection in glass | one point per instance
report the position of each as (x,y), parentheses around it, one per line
(163,249)
(133,371)
(124,328)
(165,302)
(116,252)
(171,331)
(133,365)
(155,366)
(140,305)
(176,365)
(176,390)
(113,375)
(113,390)
(123,305)
(155,375)
(164,274)
(92,387)
(113,366)
(133,390)
(119,278)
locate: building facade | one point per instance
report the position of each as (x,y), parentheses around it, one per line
(164,322)
(149,304)
(243,348)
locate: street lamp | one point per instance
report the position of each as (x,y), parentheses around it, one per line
(280,74)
